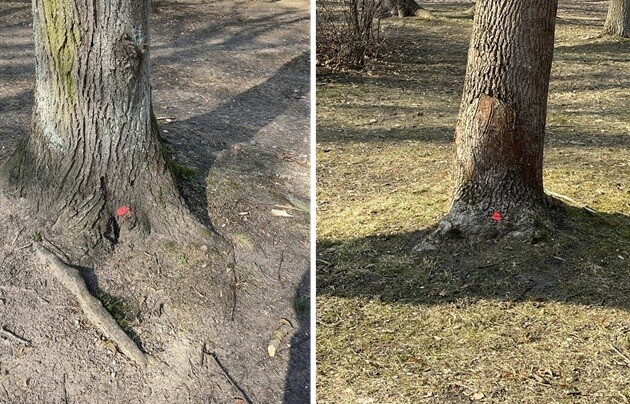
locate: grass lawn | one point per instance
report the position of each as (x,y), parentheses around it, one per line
(493,321)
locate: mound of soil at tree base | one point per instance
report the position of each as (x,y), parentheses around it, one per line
(230,84)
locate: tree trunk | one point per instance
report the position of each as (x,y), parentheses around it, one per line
(618,19)
(93,164)
(400,8)
(500,129)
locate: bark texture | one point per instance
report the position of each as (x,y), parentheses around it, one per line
(501,124)
(618,18)
(93,148)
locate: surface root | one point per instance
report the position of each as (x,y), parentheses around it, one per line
(71,279)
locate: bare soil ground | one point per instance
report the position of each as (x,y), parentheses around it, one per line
(494,321)
(230,85)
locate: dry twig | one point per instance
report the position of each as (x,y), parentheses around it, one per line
(13,336)
(229,378)
(624,356)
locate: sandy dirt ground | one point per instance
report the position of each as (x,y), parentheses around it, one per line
(231,92)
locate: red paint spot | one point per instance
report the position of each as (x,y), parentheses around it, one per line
(123,211)
(496,216)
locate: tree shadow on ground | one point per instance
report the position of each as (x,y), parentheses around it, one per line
(594,52)
(585,261)
(437,134)
(200,138)
(13,118)
(237,33)
(18,6)
(579,22)
(18,102)
(297,383)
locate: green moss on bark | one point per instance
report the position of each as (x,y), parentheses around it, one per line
(62,40)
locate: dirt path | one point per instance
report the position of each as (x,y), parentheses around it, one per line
(231,84)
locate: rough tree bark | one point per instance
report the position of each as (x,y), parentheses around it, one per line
(501,124)
(618,19)
(93,164)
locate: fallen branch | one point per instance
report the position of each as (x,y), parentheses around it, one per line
(65,391)
(232,267)
(13,336)
(92,307)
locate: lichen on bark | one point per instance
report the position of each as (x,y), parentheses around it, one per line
(62,39)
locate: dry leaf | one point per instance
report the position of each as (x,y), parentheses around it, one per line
(273,347)
(280,212)
(280,333)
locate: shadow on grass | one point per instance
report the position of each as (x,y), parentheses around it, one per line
(437,134)
(17,6)
(586,261)
(594,52)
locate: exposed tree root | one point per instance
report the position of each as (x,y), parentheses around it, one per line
(468,13)
(92,307)
(471,10)
(424,14)
(571,201)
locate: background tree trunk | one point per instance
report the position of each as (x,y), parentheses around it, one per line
(501,123)
(93,148)
(400,8)
(618,19)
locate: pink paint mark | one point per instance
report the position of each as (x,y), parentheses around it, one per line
(496,216)
(123,211)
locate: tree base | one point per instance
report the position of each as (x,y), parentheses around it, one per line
(528,223)
(617,32)
(85,233)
